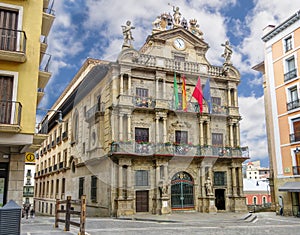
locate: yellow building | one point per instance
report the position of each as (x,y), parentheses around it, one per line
(24,27)
(281,88)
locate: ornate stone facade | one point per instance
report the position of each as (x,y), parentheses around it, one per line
(136,152)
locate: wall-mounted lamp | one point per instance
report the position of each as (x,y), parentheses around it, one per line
(60,119)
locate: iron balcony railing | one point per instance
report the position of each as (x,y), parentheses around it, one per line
(94,111)
(293,105)
(49,9)
(295,137)
(10,112)
(46,59)
(296,170)
(290,75)
(178,149)
(12,40)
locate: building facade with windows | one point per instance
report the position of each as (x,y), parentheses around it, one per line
(23,75)
(281,90)
(136,139)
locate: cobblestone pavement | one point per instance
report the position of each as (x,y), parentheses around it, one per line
(177,223)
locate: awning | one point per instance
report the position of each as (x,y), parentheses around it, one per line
(290,187)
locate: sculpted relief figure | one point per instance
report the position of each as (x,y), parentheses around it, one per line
(208,186)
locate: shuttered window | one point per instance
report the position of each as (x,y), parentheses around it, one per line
(6,88)
(8,29)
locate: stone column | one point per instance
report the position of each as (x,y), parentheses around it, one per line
(165,129)
(121,84)
(235,98)
(164,88)
(208,133)
(157,129)
(238,134)
(229,97)
(129,84)
(121,126)
(156,88)
(234,186)
(201,132)
(129,126)
(240,175)
(129,183)
(203,191)
(120,183)
(231,134)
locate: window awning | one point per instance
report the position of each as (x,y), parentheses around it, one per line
(290,187)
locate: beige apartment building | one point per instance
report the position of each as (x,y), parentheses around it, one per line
(281,89)
(130,135)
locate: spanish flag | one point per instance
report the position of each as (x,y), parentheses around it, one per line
(184,102)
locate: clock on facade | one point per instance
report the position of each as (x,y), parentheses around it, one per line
(179,44)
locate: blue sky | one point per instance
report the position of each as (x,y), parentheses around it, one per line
(92,29)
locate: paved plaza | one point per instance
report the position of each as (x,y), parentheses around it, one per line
(176,223)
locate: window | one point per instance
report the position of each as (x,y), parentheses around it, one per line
(295,136)
(141,135)
(288,43)
(293,98)
(94,188)
(141,92)
(254,200)
(57,187)
(141,178)
(81,187)
(6,105)
(181,137)
(217,139)
(9,27)
(63,186)
(219,178)
(216,105)
(179,58)
(290,69)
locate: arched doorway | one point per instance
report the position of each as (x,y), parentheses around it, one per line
(182,191)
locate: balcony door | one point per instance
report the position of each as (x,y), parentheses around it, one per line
(8,29)
(6,88)
(3,183)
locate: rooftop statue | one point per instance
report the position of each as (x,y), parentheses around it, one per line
(227,52)
(166,21)
(127,34)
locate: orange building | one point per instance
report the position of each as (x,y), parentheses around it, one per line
(282,106)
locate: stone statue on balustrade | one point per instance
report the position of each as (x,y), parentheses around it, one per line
(127,34)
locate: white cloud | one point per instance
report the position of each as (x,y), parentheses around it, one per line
(253,127)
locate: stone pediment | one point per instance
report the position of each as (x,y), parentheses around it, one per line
(172,34)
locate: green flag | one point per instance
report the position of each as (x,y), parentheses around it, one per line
(176,92)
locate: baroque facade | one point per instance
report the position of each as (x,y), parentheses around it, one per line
(281,93)
(130,147)
(24,27)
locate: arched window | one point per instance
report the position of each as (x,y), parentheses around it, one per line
(254,200)
(264,199)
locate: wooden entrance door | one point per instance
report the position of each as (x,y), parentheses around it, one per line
(142,201)
(220,199)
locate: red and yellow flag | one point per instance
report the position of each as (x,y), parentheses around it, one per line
(184,102)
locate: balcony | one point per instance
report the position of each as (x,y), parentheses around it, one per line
(178,149)
(10,116)
(290,75)
(12,45)
(40,94)
(48,17)
(94,112)
(293,105)
(296,170)
(295,137)
(44,74)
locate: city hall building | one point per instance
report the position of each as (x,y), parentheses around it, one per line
(155,131)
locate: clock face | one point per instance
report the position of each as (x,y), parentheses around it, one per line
(179,44)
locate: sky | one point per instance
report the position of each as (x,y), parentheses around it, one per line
(92,29)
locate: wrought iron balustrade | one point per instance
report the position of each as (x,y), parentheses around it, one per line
(290,75)
(95,110)
(12,40)
(296,170)
(178,149)
(45,63)
(295,137)
(10,112)
(145,102)
(293,104)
